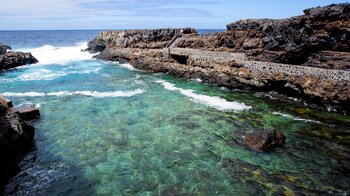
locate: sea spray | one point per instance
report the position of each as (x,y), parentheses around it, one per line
(49,54)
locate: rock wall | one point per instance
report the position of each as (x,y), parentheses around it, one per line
(16,138)
(10,59)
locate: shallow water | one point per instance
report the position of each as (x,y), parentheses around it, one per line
(108,129)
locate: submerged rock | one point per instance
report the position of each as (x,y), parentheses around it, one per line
(264,140)
(10,59)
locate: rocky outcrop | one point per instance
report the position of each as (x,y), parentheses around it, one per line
(264,140)
(28,112)
(305,56)
(151,39)
(10,59)
(16,138)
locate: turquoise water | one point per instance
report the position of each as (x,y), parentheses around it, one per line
(107,129)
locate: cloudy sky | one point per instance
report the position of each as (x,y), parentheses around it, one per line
(139,14)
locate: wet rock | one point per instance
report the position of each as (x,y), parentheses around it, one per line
(10,59)
(15,59)
(264,140)
(28,112)
(16,138)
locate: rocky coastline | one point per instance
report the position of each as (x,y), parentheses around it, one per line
(305,56)
(16,134)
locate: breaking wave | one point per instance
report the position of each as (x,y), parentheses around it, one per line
(216,102)
(82,93)
(60,55)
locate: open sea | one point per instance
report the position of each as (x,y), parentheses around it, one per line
(108,129)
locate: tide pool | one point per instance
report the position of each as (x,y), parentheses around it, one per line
(108,129)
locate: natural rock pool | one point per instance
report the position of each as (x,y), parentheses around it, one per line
(108,129)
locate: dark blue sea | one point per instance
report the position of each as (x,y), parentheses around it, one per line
(109,129)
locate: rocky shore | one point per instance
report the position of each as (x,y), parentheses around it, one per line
(10,59)
(305,56)
(16,137)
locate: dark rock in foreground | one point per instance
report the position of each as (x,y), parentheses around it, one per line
(10,59)
(16,138)
(264,140)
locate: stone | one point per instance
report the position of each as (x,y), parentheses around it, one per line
(264,140)
(28,112)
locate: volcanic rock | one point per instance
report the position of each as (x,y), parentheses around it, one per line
(16,138)
(264,140)
(10,59)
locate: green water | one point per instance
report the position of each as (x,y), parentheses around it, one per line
(162,142)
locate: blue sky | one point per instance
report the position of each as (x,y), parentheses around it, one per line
(140,14)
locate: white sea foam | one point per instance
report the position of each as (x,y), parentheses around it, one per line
(216,102)
(82,93)
(296,118)
(127,66)
(59,55)
(42,74)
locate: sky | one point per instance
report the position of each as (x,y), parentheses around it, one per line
(142,14)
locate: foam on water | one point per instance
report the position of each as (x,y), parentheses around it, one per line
(42,74)
(295,118)
(127,66)
(60,55)
(216,102)
(83,93)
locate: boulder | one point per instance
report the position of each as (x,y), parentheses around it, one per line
(15,59)
(28,112)
(264,139)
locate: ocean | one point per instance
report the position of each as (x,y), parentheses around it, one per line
(109,129)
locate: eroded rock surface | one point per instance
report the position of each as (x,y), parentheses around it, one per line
(304,57)
(10,59)
(16,138)
(264,140)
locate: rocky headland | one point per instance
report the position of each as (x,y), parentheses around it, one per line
(306,56)
(10,59)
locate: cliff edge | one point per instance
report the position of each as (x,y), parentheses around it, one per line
(306,56)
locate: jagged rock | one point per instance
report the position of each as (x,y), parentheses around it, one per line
(28,112)
(273,51)
(156,38)
(16,138)
(9,59)
(264,140)
(4,48)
